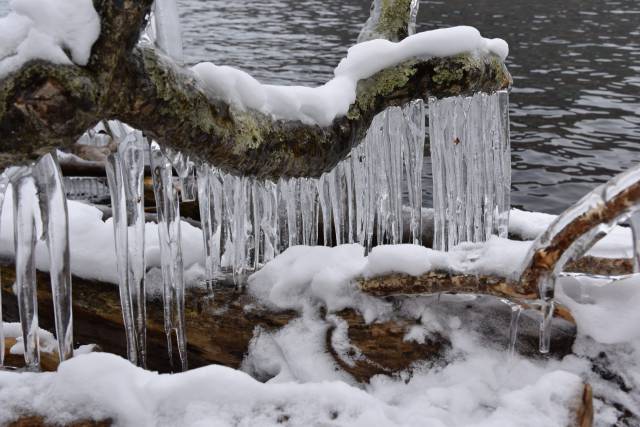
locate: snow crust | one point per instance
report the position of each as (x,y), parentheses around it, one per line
(321,105)
(47,29)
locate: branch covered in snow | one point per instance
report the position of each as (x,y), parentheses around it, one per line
(224,116)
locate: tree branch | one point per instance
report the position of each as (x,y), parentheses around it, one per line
(143,88)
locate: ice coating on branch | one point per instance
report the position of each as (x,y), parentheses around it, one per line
(321,105)
(47,29)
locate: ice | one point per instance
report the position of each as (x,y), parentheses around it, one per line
(169,236)
(619,193)
(471,163)
(4,183)
(115,176)
(634,222)
(168,33)
(25,212)
(55,222)
(125,174)
(246,221)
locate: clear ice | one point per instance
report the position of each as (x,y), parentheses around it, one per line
(55,225)
(25,235)
(592,201)
(168,209)
(471,162)
(4,183)
(247,222)
(125,175)
(167,28)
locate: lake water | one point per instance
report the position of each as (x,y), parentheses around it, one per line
(575,104)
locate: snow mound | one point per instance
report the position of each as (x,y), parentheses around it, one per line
(47,29)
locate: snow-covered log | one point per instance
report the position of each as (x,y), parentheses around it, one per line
(220,329)
(295,132)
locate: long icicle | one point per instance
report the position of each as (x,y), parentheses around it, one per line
(4,183)
(24,236)
(115,178)
(169,236)
(55,221)
(131,151)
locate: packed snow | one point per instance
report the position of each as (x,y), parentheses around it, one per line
(58,31)
(321,105)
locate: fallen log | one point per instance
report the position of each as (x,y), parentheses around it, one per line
(220,328)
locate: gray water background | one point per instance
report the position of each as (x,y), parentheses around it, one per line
(575,103)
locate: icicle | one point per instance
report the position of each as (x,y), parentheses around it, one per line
(207,198)
(325,207)
(257,212)
(270,221)
(516,310)
(131,151)
(25,206)
(4,183)
(169,236)
(288,193)
(471,165)
(634,222)
(186,172)
(393,141)
(55,220)
(413,155)
(335,179)
(125,174)
(115,177)
(350,214)
(360,192)
(168,33)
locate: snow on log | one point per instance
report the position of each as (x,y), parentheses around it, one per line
(220,329)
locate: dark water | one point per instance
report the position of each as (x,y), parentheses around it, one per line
(575,104)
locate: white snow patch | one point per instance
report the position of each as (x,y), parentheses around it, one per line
(47,29)
(92,244)
(321,105)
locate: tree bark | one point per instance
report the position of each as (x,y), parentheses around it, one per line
(44,106)
(220,328)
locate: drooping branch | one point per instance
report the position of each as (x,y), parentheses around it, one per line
(44,105)
(575,231)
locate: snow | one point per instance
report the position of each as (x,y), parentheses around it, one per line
(321,105)
(479,385)
(92,244)
(476,390)
(47,29)
(48,343)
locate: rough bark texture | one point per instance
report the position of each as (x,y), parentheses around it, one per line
(43,106)
(220,329)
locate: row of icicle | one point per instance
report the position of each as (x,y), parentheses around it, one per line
(246,222)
